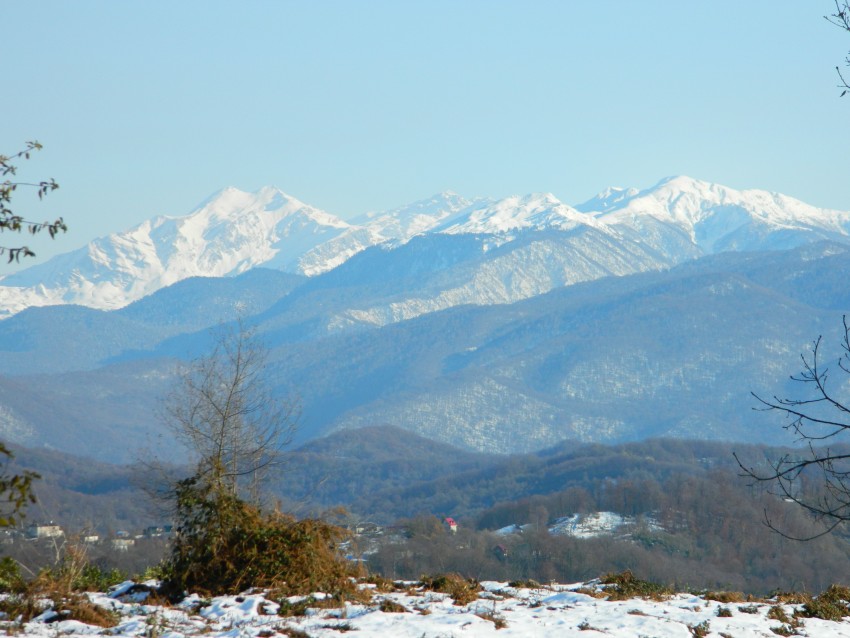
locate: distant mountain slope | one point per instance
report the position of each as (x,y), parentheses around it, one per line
(64,338)
(233,231)
(670,353)
(718,218)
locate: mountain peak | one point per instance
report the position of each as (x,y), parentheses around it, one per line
(516,212)
(611,197)
(235,230)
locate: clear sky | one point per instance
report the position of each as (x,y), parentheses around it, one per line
(148,108)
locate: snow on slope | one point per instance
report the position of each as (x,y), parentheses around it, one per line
(228,234)
(400,224)
(717,218)
(679,218)
(391,227)
(544,611)
(536,211)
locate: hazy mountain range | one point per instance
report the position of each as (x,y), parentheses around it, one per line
(501,326)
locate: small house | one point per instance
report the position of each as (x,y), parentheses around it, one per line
(122,544)
(451,524)
(44,530)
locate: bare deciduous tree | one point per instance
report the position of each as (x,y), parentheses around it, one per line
(817,477)
(223,410)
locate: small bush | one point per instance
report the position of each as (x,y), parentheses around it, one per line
(528,583)
(392,607)
(777,612)
(385,584)
(701,630)
(74,606)
(624,585)
(22,607)
(58,588)
(75,573)
(725,596)
(299,608)
(461,590)
(498,621)
(749,609)
(790,597)
(11,580)
(78,607)
(830,605)
(724,612)
(224,545)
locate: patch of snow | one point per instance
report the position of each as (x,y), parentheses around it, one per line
(564,610)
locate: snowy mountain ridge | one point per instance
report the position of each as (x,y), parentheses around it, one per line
(679,218)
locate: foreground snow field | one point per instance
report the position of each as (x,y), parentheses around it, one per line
(554,610)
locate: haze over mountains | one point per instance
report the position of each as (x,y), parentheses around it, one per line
(499,326)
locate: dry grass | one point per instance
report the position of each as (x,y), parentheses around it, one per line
(463,591)
(749,609)
(59,588)
(725,596)
(392,607)
(528,583)
(830,605)
(625,585)
(791,597)
(498,621)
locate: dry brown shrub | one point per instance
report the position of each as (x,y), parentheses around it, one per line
(79,607)
(625,585)
(385,584)
(463,591)
(791,597)
(725,596)
(498,621)
(23,607)
(58,588)
(392,607)
(777,612)
(833,604)
(749,609)
(225,546)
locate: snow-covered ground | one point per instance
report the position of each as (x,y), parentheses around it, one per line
(555,610)
(589,525)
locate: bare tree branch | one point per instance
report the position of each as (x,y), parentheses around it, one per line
(817,478)
(223,411)
(841,19)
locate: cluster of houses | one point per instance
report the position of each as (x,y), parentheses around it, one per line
(120,540)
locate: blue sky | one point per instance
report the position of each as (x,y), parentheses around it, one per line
(148,108)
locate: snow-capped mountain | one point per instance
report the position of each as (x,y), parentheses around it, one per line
(229,233)
(717,218)
(400,224)
(620,231)
(536,212)
(390,228)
